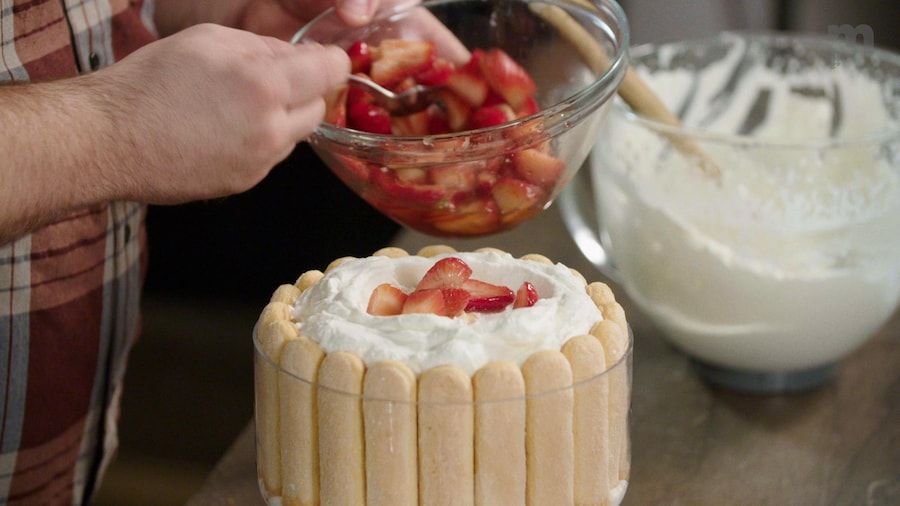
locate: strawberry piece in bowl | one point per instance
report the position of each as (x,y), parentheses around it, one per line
(488,91)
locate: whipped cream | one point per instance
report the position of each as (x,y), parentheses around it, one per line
(333,313)
(790,260)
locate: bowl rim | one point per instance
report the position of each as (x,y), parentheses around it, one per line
(585,101)
(811,41)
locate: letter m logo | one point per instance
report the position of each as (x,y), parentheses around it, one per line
(854,34)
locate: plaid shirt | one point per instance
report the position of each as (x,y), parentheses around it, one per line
(69,292)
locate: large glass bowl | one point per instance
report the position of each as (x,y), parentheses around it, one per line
(576,52)
(763,236)
(350,422)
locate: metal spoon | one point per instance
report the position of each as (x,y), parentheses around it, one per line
(403,103)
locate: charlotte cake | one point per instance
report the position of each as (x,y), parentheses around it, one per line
(465,397)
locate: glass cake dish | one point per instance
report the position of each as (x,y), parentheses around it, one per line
(527,403)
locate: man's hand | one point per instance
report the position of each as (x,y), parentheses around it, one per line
(210,110)
(201,114)
(276,18)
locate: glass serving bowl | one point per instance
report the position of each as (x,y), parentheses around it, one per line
(466,184)
(369,436)
(335,431)
(775,253)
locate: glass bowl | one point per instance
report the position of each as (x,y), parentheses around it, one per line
(380,421)
(775,252)
(378,435)
(469,183)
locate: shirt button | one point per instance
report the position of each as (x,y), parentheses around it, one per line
(94,60)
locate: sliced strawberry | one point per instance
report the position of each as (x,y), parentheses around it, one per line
(455,301)
(492,115)
(506,77)
(336,106)
(386,300)
(513,195)
(533,130)
(404,84)
(526,295)
(412,175)
(358,94)
(478,217)
(450,272)
(486,297)
(455,178)
(425,301)
(473,66)
(436,74)
(360,57)
(356,169)
(538,167)
(437,121)
(486,180)
(456,109)
(493,98)
(416,124)
(398,59)
(405,194)
(527,108)
(469,86)
(368,118)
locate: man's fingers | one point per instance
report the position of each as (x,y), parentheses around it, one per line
(311,70)
(355,12)
(304,118)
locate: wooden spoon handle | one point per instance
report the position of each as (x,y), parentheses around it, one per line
(633,90)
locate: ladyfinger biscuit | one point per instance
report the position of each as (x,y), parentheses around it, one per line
(299,435)
(446,436)
(342,471)
(536,257)
(593,481)
(286,294)
(272,312)
(435,250)
(391,252)
(500,471)
(549,443)
(272,333)
(614,312)
(488,249)
(308,279)
(579,276)
(600,293)
(337,262)
(389,418)
(615,344)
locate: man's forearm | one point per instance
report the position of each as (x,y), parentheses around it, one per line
(51,140)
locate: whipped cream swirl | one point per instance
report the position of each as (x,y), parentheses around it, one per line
(333,313)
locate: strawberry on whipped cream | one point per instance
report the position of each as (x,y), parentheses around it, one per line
(333,313)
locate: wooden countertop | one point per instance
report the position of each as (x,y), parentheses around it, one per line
(695,444)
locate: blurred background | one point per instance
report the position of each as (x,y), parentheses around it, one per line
(213,266)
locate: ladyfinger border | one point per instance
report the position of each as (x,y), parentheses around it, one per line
(613,326)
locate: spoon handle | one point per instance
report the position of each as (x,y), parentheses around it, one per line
(633,90)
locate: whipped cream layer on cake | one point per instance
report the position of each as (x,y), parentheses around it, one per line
(333,313)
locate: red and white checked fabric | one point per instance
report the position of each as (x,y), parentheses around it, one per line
(70,291)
